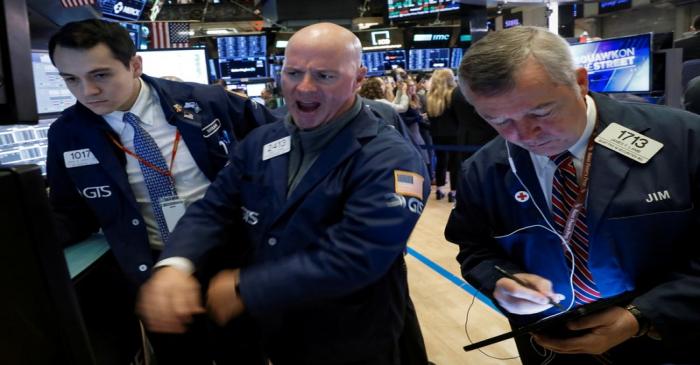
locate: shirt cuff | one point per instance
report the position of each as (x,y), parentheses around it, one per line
(180,263)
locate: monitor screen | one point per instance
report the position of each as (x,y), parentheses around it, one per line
(242,68)
(402,9)
(428,58)
(238,88)
(456,57)
(609,6)
(616,64)
(255,89)
(379,61)
(185,64)
(244,46)
(242,57)
(25,144)
(52,95)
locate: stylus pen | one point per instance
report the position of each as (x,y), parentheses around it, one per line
(526,284)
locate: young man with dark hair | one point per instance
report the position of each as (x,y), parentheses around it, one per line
(134,152)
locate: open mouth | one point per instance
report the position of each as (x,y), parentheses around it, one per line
(308,107)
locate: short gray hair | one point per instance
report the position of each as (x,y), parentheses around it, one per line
(490,66)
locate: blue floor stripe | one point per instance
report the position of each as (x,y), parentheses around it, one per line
(451,277)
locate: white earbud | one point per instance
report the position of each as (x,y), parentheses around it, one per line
(550,229)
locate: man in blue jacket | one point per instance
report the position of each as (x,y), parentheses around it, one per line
(327,200)
(582,198)
(126,129)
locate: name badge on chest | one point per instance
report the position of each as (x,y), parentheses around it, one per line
(628,143)
(173,209)
(276,148)
(77,158)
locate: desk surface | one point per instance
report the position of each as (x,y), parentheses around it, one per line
(81,255)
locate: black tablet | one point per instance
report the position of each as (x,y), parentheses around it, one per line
(555,326)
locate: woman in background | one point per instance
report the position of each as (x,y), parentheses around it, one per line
(444,130)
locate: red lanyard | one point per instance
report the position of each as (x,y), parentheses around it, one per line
(168,173)
(582,190)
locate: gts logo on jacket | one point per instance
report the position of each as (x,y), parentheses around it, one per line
(250,216)
(92,192)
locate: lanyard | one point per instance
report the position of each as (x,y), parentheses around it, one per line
(148,164)
(582,190)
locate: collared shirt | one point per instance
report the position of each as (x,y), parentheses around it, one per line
(190,182)
(307,144)
(545,168)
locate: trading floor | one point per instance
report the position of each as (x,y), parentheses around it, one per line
(442,297)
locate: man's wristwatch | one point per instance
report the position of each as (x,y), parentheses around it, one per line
(644,323)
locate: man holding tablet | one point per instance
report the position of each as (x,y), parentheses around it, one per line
(581,198)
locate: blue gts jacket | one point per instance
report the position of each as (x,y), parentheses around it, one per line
(325,279)
(85,198)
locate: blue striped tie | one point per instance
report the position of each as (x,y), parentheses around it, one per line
(158,185)
(564,194)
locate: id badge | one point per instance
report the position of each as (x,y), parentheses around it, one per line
(173,209)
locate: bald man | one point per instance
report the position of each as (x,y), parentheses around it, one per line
(323,202)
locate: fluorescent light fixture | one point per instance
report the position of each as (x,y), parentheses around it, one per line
(217,31)
(388,46)
(363,26)
(281,44)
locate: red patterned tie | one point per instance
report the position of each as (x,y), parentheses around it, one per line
(564,193)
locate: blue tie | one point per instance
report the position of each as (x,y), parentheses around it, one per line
(158,185)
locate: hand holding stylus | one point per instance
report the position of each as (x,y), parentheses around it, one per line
(525,293)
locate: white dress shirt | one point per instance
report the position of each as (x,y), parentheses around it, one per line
(545,168)
(190,182)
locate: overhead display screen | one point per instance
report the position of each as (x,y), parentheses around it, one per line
(242,57)
(122,9)
(242,46)
(428,58)
(616,64)
(401,9)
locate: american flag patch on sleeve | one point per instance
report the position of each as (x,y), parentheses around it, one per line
(408,183)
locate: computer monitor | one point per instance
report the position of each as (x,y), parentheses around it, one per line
(246,68)
(411,9)
(617,64)
(243,46)
(25,144)
(255,89)
(187,64)
(428,58)
(456,57)
(242,57)
(379,61)
(41,318)
(52,95)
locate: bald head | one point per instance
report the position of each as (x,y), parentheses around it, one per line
(321,72)
(329,37)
